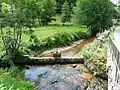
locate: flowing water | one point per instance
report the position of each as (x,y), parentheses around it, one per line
(59,77)
(36,72)
(73,51)
(62,77)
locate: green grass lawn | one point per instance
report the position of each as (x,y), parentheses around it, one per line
(46,31)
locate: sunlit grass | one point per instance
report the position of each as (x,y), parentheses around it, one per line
(45,31)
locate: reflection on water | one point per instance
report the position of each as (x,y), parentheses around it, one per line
(46,72)
(34,72)
(59,77)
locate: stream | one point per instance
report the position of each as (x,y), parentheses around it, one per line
(65,77)
(72,52)
(68,51)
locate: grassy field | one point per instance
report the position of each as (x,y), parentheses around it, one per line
(46,31)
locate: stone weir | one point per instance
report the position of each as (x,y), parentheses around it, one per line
(27,60)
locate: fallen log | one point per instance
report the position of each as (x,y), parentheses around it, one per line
(27,60)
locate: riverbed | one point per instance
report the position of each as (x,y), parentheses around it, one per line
(65,77)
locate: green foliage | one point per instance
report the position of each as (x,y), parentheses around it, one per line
(96,14)
(8,82)
(30,12)
(13,18)
(59,39)
(99,57)
(66,13)
(86,52)
(45,11)
(2,87)
(11,40)
(116,13)
(15,72)
(95,55)
(59,4)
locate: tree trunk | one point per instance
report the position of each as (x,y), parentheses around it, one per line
(26,60)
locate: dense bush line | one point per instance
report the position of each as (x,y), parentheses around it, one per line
(58,40)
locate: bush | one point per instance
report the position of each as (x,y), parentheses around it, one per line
(95,57)
(99,57)
(58,40)
(86,52)
(10,79)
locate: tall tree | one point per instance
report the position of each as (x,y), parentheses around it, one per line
(96,14)
(46,10)
(12,20)
(59,4)
(66,13)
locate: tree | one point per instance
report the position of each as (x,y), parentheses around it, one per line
(66,13)
(45,11)
(30,12)
(72,4)
(96,14)
(12,20)
(59,4)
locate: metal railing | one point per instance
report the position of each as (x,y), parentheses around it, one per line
(115,58)
(114,51)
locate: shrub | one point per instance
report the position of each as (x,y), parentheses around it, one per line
(95,57)
(86,52)
(57,40)
(10,79)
